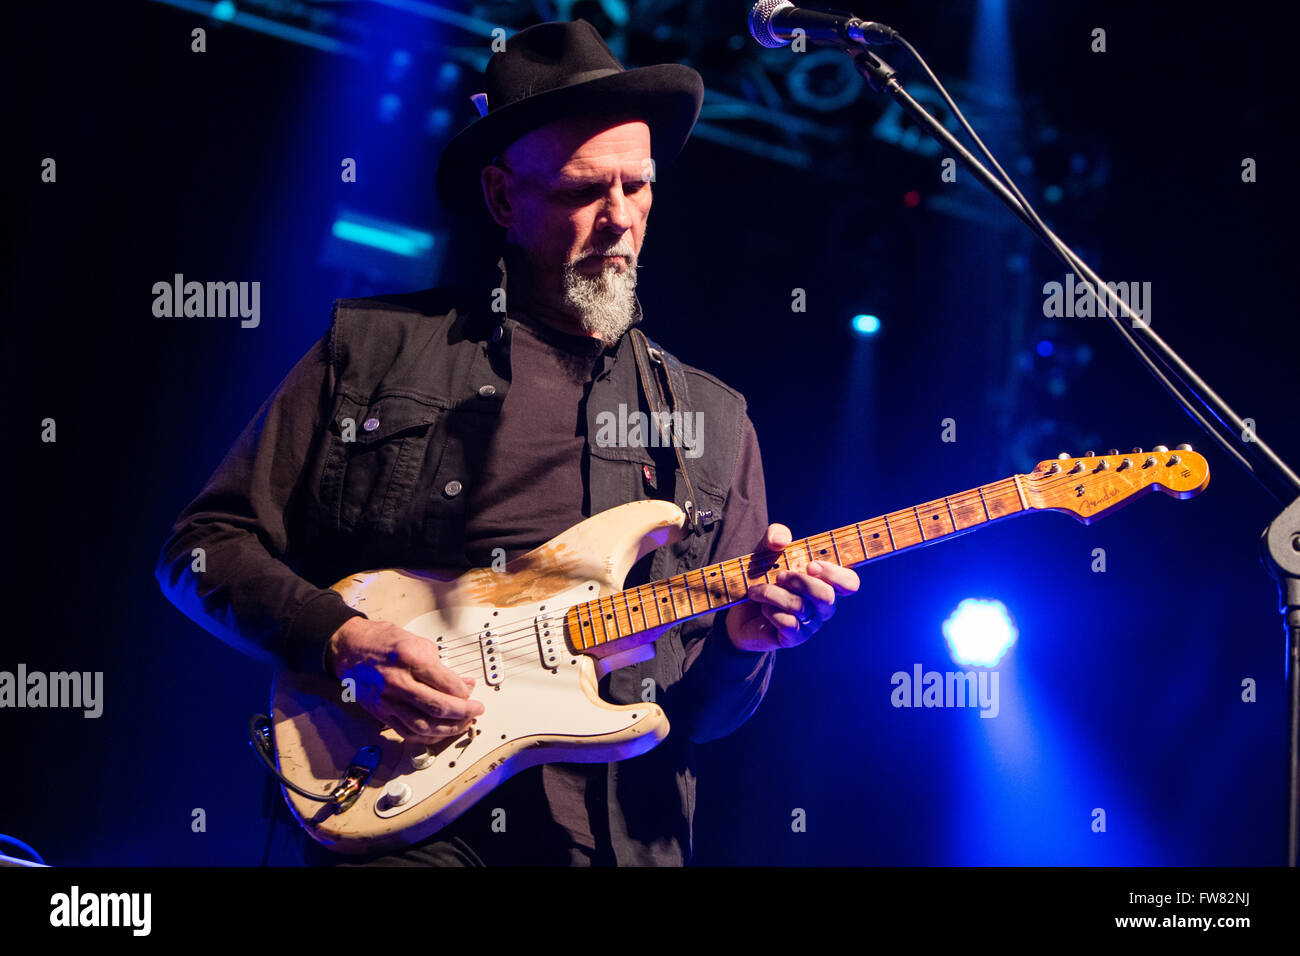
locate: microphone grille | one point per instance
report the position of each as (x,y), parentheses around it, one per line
(760,22)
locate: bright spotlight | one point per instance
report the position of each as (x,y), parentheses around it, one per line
(979,632)
(866,324)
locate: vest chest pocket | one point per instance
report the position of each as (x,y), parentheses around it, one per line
(376,456)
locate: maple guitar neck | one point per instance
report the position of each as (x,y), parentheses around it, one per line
(1088,488)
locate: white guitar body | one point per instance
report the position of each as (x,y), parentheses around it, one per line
(507,630)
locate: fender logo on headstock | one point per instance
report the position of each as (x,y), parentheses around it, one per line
(1092,485)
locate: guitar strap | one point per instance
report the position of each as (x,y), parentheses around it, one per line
(650,359)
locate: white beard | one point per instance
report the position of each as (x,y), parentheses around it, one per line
(606,302)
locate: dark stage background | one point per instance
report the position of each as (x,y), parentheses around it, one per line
(1124,689)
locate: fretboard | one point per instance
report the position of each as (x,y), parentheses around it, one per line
(640,609)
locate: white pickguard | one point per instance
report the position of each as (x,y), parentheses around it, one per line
(531,700)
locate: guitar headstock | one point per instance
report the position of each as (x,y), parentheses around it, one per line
(1091,486)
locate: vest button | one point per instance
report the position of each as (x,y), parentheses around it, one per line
(487,391)
(497,333)
(370,424)
(452,489)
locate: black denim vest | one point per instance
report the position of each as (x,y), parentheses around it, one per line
(420,381)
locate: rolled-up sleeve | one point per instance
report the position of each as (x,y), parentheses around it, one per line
(722,686)
(225,563)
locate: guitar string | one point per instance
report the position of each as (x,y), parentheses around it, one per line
(470,643)
(468,646)
(463,649)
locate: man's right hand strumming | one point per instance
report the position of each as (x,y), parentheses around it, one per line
(401,681)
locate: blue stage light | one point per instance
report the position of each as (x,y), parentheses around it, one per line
(866,324)
(390,107)
(225,10)
(1045,347)
(979,632)
(438,121)
(407,242)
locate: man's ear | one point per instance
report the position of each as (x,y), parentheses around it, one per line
(495,195)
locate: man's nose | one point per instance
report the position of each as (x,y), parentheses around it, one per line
(616,212)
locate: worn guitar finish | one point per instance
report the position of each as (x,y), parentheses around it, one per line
(537,637)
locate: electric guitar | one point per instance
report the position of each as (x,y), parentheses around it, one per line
(538,636)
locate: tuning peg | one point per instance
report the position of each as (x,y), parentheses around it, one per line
(1113,451)
(1184,447)
(1078,466)
(1160,448)
(1055,469)
(1126,463)
(1137,451)
(1089,453)
(1103,465)
(1064,455)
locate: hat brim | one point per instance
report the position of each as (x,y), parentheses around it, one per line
(667,96)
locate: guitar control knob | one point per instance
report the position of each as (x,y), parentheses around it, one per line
(1184,447)
(421,759)
(396,793)
(1160,448)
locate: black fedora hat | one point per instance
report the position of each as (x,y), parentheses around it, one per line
(554,70)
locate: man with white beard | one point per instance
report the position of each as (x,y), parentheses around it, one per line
(604,302)
(475,413)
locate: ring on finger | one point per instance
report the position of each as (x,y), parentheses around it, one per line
(805,617)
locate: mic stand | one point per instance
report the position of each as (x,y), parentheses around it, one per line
(1280,542)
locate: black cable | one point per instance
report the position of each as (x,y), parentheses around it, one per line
(259,728)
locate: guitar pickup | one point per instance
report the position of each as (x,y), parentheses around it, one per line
(550,639)
(493,666)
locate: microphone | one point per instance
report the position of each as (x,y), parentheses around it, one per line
(773,23)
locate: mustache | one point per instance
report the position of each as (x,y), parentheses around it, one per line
(619,249)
